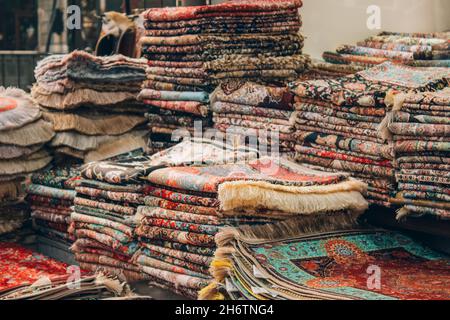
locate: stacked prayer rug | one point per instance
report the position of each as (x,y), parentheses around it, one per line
(415,49)
(322,69)
(103,218)
(339,123)
(107,198)
(51,196)
(171,120)
(420,126)
(185,208)
(193,49)
(23,134)
(194,46)
(332,266)
(92,104)
(262,112)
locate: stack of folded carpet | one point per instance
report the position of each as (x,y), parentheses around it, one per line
(263,112)
(90,287)
(187,206)
(340,122)
(51,197)
(332,266)
(173,111)
(103,218)
(322,69)
(192,49)
(420,126)
(415,49)
(197,46)
(92,104)
(23,134)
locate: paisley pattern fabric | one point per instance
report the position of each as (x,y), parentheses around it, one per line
(148,260)
(335,266)
(130,171)
(183,237)
(125,197)
(207,179)
(188,13)
(180,197)
(253,94)
(180,225)
(368,88)
(183,207)
(423,148)
(246,109)
(344,123)
(158,250)
(51,196)
(418,50)
(192,50)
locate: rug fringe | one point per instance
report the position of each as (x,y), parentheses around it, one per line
(305,200)
(402,213)
(94,124)
(211,292)
(121,145)
(290,228)
(220,268)
(10,190)
(37,132)
(74,99)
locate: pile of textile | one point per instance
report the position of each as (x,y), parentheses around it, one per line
(262,112)
(192,49)
(340,122)
(170,121)
(322,69)
(23,134)
(104,217)
(91,287)
(186,207)
(338,265)
(420,126)
(50,196)
(414,49)
(92,104)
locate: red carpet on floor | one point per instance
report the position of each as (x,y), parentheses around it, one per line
(20,266)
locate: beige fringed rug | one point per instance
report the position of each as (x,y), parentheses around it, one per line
(10,190)
(84,143)
(79,97)
(268,184)
(94,123)
(28,164)
(34,133)
(12,152)
(16,109)
(99,148)
(122,145)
